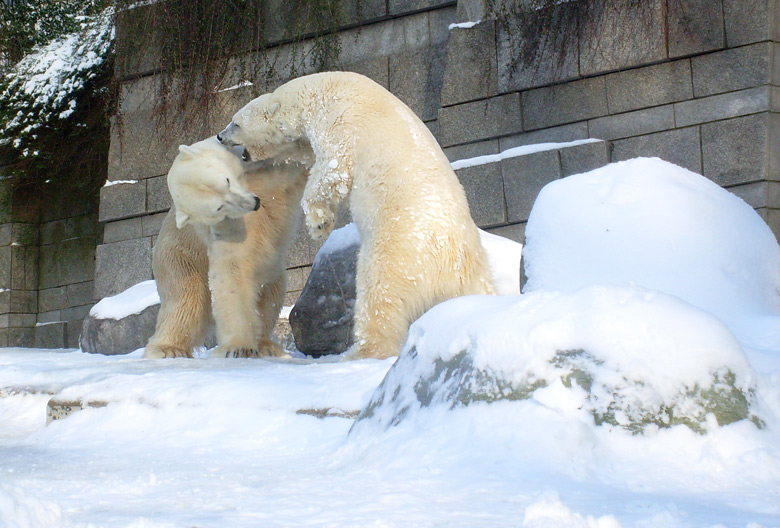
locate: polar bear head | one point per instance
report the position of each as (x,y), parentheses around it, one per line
(265,128)
(205,182)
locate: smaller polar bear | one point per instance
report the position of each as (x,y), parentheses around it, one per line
(221,251)
(419,244)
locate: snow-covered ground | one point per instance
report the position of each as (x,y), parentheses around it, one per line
(648,288)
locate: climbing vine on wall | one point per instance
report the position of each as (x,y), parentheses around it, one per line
(203,47)
(553,28)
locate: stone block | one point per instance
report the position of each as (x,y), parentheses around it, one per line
(399,7)
(524,177)
(624,36)
(681,147)
(121,265)
(695,26)
(583,158)
(5,301)
(73,334)
(747,21)
(439,22)
(24,234)
(385,39)
(48,317)
(51,335)
(484,188)
(634,123)
(50,299)
(733,69)
(760,194)
(158,198)
(24,267)
(415,77)
(735,150)
(122,200)
(654,85)
(559,134)
(136,56)
(566,103)
(25,320)
(378,70)
(470,71)
(478,120)
(23,301)
(141,146)
(5,267)
(772,218)
(555,58)
(21,337)
(6,231)
(724,106)
(68,262)
(296,278)
(79,294)
(119,230)
(472,150)
(152,224)
(75,313)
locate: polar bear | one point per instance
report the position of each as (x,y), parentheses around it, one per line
(221,251)
(419,244)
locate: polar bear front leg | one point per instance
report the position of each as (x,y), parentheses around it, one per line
(330,181)
(269,304)
(234,305)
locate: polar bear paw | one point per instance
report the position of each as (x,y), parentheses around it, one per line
(320,227)
(266,348)
(165,351)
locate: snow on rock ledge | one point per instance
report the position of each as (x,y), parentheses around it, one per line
(617,355)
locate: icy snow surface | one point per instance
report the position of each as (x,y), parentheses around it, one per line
(255,443)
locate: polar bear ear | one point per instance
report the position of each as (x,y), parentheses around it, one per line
(181,219)
(273,108)
(187,151)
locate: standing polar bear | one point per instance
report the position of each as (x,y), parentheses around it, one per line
(419,244)
(221,252)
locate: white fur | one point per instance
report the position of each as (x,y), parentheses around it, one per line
(419,243)
(224,260)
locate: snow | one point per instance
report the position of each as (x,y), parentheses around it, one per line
(46,84)
(111,183)
(133,300)
(536,432)
(514,152)
(464,25)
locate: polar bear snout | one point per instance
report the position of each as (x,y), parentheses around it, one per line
(227,136)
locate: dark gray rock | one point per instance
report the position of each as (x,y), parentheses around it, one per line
(322,318)
(114,337)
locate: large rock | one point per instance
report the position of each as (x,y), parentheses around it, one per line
(118,336)
(322,318)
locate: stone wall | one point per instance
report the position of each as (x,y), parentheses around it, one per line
(692,81)
(48,236)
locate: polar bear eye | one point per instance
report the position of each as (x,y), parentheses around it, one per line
(228,182)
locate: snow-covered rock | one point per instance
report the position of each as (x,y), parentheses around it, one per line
(645,282)
(649,222)
(619,355)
